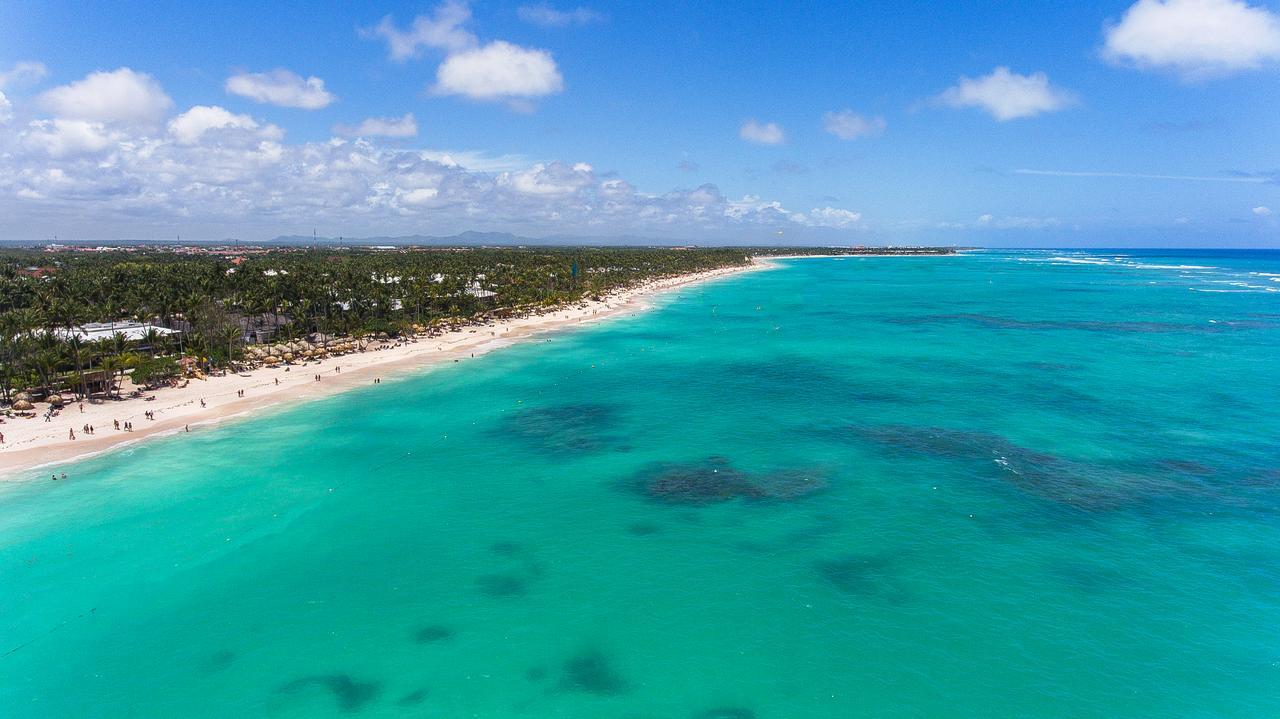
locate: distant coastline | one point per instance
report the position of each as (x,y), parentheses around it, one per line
(32,442)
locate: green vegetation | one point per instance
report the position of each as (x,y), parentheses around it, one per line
(218,301)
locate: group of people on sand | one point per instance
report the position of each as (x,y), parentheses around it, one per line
(87,429)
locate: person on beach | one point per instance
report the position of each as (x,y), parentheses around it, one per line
(277,381)
(187,427)
(71,434)
(202,401)
(82,408)
(116,422)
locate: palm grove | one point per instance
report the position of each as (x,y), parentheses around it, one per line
(218,302)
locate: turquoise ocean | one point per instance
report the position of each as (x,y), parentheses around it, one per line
(1002,484)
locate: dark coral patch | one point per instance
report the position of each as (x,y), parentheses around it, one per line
(413,698)
(865,575)
(707,482)
(505,549)
(351,695)
(715,479)
(584,427)
(1086,486)
(432,634)
(788,484)
(221,660)
(502,585)
(591,671)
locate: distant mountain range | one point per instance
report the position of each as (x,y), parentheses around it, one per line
(477,238)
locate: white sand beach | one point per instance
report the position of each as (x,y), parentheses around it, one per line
(30,443)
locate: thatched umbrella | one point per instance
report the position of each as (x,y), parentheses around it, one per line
(23,405)
(56,400)
(23,396)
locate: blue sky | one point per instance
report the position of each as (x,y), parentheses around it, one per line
(1107,123)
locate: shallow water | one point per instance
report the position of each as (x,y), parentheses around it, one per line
(1003,484)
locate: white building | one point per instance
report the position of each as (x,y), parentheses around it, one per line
(94,331)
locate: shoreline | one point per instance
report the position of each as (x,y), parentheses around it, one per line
(32,444)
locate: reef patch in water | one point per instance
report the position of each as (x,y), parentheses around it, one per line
(592,672)
(583,427)
(351,695)
(714,479)
(502,585)
(866,576)
(432,634)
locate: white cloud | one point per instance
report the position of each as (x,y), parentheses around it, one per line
(6,109)
(769,133)
(1262,211)
(1195,38)
(119,96)
(1007,95)
(831,217)
(61,138)
(406,126)
(499,71)
(190,127)
(849,125)
(1144,176)
(985,219)
(281,87)
(22,73)
(224,174)
(441,31)
(546,16)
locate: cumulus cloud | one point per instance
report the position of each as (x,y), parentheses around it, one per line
(831,217)
(60,138)
(120,96)
(441,30)
(1006,95)
(191,126)
(1262,211)
(281,87)
(216,169)
(499,71)
(544,15)
(406,126)
(1195,38)
(849,125)
(768,133)
(23,73)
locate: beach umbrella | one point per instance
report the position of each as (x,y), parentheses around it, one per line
(23,397)
(23,405)
(56,400)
